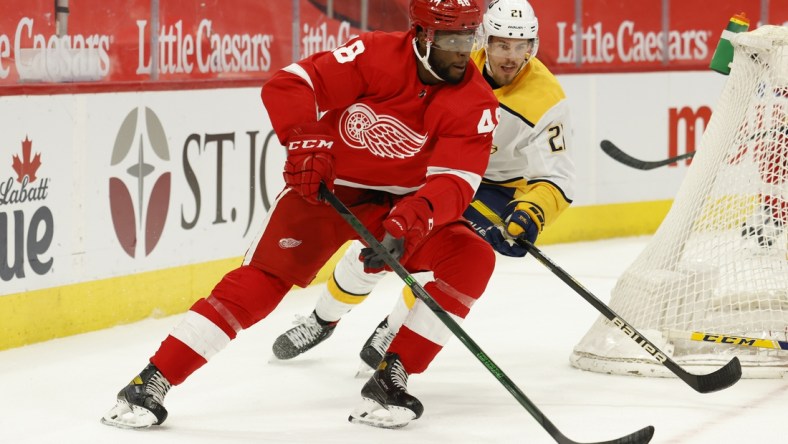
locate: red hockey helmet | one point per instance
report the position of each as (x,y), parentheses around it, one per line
(445,15)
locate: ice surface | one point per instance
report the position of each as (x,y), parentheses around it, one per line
(528,322)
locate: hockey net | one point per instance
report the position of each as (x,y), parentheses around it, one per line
(719,261)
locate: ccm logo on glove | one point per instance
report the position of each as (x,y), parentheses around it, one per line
(309,161)
(319,144)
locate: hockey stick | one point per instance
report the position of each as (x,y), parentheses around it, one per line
(721,378)
(641,436)
(615,152)
(743,341)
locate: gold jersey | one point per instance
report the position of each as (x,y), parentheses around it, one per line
(531,145)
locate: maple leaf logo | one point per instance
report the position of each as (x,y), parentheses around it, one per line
(26,166)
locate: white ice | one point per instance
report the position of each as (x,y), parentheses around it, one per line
(527,322)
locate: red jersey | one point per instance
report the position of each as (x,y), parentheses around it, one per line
(392,132)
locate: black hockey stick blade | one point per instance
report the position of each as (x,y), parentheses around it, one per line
(615,152)
(642,436)
(721,378)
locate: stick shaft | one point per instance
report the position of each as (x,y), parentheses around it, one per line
(642,436)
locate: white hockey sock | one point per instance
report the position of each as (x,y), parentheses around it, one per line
(347,287)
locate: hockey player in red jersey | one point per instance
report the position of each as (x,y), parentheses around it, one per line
(528,183)
(403,138)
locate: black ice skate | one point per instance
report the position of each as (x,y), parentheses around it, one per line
(373,350)
(308,332)
(140,403)
(386,402)
(763,227)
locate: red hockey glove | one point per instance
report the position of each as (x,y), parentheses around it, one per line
(410,218)
(406,225)
(309,161)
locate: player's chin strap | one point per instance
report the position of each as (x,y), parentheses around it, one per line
(424,60)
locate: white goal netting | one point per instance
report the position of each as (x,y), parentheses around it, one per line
(718,264)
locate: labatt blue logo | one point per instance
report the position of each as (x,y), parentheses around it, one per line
(25,238)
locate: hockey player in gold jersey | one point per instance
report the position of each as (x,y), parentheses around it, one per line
(530,163)
(529,182)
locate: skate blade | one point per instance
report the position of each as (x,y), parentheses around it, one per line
(125,416)
(364,371)
(372,413)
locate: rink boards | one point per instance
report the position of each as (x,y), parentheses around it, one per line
(117,206)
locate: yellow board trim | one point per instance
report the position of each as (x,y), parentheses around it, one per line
(40,315)
(578,224)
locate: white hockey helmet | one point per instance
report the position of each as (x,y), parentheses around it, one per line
(511,19)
